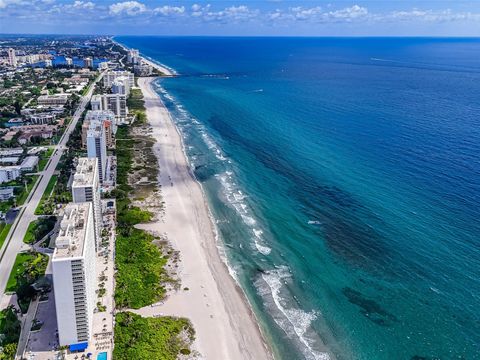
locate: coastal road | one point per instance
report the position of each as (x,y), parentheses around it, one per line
(14,241)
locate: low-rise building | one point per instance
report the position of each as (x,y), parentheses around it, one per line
(29,163)
(6,193)
(53,100)
(9,173)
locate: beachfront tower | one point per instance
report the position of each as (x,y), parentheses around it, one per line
(86,188)
(97,147)
(74,276)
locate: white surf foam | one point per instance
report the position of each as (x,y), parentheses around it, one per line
(295,322)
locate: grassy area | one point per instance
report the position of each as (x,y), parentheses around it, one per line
(27,269)
(10,329)
(141,338)
(38,229)
(44,207)
(31,180)
(44,159)
(4,229)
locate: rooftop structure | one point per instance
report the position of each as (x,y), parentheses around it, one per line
(73,267)
(110,76)
(53,100)
(86,188)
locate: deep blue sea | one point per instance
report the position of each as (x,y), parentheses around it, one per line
(344,178)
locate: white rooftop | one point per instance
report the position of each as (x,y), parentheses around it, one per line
(85,172)
(71,237)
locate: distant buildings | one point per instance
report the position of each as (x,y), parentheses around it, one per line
(42,118)
(69,61)
(88,62)
(48,63)
(117,103)
(53,100)
(97,147)
(74,275)
(103,66)
(12,58)
(133,56)
(86,188)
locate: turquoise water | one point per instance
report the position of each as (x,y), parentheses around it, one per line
(343,175)
(102,356)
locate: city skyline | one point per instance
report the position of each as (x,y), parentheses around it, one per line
(234,18)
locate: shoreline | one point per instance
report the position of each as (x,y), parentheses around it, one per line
(160,67)
(225,325)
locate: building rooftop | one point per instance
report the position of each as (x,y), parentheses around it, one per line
(95,130)
(100,115)
(85,172)
(70,241)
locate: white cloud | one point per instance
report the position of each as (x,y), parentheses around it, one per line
(432,15)
(317,14)
(229,14)
(83,5)
(169,10)
(5,3)
(349,13)
(128,7)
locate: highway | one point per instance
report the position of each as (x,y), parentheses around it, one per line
(14,241)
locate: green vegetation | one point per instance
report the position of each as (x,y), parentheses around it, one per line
(10,332)
(27,269)
(44,159)
(141,338)
(4,229)
(136,105)
(140,263)
(31,180)
(45,206)
(38,229)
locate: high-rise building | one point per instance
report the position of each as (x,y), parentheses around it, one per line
(97,147)
(107,118)
(117,103)
(86,188)
(110,76)
(88,62)
(12,57)
(74,276)
(133,56)
(69,61)
(48,63)
(121,85)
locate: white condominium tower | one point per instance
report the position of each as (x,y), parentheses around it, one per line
(86,188)
(74,276)
(110,76)
(97,147)
(117,103)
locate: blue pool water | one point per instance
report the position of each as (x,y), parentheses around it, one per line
(344,177)
(102,356)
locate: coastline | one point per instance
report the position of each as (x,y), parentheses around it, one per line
(225,325)
(160,67)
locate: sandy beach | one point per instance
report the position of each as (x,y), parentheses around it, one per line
(225,326)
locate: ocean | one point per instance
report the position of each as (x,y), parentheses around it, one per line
(343,175)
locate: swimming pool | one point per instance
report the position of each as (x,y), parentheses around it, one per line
(102,356)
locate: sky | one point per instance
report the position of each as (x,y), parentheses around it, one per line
(242,17)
